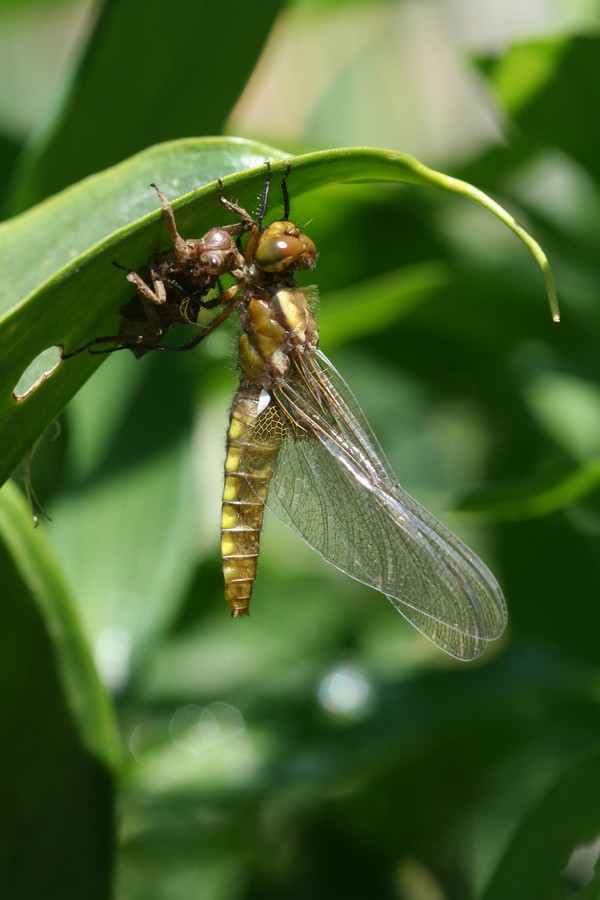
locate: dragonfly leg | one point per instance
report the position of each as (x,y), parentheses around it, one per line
(224,297)
(193,342)
(179,243)
(123,343)
(158,296)
(153,331)
(265,196)
(285,193)
(246,222)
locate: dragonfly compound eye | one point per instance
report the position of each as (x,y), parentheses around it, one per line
(277,252)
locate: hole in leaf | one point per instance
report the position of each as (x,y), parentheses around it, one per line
(37,371)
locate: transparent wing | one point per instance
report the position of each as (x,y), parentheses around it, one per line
(334,487)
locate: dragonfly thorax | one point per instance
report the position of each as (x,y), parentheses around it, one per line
(276,326)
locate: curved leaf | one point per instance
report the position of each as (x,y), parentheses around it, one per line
(60,740)
(562,493)
(567,817)
(162,87)
(65,290)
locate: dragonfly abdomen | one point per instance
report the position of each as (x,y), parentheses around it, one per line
(248,470)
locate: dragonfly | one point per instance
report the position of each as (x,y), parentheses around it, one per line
(299,444)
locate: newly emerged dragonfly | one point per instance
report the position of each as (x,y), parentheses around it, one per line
(298,443)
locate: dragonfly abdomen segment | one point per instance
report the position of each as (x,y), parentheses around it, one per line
(251,454)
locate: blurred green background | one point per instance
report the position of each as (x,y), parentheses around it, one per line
(321,748)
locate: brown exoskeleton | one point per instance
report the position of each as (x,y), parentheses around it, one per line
(172,286)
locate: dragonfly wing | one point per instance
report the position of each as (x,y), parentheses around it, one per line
(334,487)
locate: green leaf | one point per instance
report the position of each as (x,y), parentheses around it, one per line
(567,817)
(63,292)
(134,86)
(59,748)
(561,494)
(125,525)
(359,310)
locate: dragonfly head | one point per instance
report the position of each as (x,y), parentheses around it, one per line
(282,246)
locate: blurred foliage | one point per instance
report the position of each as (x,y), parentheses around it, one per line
(319,748)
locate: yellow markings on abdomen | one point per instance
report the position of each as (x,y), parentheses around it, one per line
(251,456)
(236,429)
(232,461)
